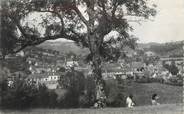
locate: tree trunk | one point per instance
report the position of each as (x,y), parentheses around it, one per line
(97,72)
(94,46)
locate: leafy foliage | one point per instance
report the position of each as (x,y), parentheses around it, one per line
(88,27)
(65,19)
(22,95)
(8,35)
(115,90)
(18,97)
(172,68)
(80,90)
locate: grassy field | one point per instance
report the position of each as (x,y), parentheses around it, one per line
(161,109)
(170,99)
(142,93)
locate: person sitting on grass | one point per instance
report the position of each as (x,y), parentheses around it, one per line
(129,101)
(154,99)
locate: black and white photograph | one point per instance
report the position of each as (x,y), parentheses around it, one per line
(91,57)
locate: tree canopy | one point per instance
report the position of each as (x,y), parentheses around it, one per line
(89,23)
(70,19)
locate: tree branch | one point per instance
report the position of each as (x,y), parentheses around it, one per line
(38,41)
(27,41)
(81,16)
(19,26)
(115,5)
(79,37)
(57,14)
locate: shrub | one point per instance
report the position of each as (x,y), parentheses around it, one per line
(24,95)
(114,90)
(44,98)
(159,80)
(80,90)
(173,69)
(19,97)
(89,94)
(143,80)
(175,80)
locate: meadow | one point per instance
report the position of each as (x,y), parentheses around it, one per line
(170,99)
(142,93)
(162,109)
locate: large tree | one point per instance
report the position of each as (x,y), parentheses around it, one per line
(89,23)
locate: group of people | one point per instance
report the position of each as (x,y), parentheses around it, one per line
(130,103)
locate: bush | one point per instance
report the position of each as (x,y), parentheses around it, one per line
(177,80)
(89,95)
(143,80)
(173,69)
(19,97)
(24,95)
(114,90)
(44,98)
(159,80)
(80,90)
(74,83)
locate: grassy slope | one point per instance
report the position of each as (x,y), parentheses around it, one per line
(64,47)
(162,109)
(142,93)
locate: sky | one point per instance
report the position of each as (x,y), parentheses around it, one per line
(167,26)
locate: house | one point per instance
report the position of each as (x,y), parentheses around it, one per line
(86,70)
(113,74)
(113,70)
(168,60)
(71,64)
(129,52)
(60,63)
(30,60)
(14,76)
(49,79)
(138,69)
(48,54)
(150,54)
(21,54)
(137,66)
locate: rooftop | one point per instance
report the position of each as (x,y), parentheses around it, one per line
(43,75)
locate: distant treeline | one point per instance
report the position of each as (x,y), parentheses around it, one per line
(174,49)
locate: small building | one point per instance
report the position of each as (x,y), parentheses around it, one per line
(114,73)
(113,70)
(129,52)
(49,79)
(150,54)
(30,60)
(20,53)
(137,66)
(71,63)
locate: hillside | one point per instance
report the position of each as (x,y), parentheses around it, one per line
(64,47)
(147,45)
(164,49)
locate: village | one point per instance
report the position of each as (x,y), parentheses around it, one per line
(47,66)
(91,57)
